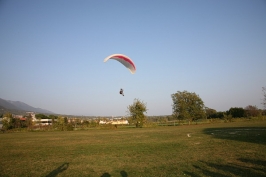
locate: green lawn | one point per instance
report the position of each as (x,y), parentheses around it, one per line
(221,149)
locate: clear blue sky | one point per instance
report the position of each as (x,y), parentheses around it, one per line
(52,52)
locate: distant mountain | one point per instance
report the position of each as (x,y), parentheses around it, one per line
(6,104)
(18,105)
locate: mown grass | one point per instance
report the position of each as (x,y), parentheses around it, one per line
(222,149)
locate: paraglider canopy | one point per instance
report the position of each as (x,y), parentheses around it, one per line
(125,60)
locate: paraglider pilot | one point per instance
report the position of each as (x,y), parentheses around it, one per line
(121,92)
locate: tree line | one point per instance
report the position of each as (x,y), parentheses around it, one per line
(186,106)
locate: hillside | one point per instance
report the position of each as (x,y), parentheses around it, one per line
(19,107)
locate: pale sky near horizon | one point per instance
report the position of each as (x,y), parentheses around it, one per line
(52,52)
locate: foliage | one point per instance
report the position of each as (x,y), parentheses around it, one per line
(62,124)
(219,114)
(263,112)
(187,105)
(7,121)
(252,111)
(136,111)
(8,115)
(237,112)
(210,113)
(41,116)
(228,118)
(53,117)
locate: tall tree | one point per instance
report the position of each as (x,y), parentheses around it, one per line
(29,122)
(264,97)
(252,111)
(136,111)
(8,121)
(187,105)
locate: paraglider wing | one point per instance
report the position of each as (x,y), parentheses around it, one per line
(125,60)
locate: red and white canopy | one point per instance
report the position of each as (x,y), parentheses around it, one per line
(125,60)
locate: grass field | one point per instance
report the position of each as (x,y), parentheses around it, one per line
(221,149)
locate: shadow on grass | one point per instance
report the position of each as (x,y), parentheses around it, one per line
(245,134)
(58,170)
(247,168)
(122,173)
(106,175)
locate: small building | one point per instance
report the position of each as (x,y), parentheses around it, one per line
(114,122)
(119,122)
(23,119)
(32,114)
(46,121)
(102,122)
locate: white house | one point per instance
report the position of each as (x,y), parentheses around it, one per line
(46,121)
(43,121)
(32,116)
